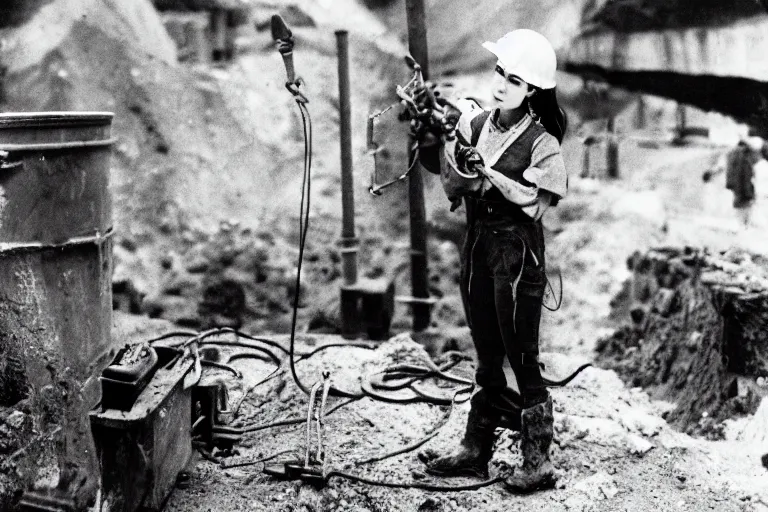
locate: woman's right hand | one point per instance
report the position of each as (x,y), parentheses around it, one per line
(469,159)
(422,133)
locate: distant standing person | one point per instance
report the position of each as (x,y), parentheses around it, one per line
(738,164)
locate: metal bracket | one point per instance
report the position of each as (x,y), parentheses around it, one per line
(35,501)
(407,299)
(6,163)
(210,418)
(312,469)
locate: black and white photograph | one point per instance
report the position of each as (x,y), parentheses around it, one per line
(383,255)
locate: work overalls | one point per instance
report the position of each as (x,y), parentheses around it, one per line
(503,279)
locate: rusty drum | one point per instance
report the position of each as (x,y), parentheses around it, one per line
(55,288)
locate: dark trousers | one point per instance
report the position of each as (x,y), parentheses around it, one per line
(502,286)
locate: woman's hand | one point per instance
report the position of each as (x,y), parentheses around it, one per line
(424,96)
(469,159)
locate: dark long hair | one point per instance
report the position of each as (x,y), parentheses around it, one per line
(551,116)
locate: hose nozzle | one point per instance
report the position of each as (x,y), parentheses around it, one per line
(284,39)
(280,31)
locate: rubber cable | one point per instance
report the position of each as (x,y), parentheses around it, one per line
(425,486)
(295,420)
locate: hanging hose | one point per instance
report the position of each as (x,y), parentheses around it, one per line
(303,229)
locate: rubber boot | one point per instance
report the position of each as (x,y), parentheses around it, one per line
(509,405)
(537,471)
(476,448)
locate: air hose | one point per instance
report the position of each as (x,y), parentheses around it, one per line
(424,486)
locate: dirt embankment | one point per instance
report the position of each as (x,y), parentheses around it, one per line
(697,335)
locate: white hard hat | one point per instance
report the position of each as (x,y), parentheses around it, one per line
(527,54)
(755,143)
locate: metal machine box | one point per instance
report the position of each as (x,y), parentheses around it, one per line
(142,451)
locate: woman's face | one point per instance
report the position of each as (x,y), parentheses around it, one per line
(508,90)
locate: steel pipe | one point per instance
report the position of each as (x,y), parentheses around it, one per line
(348,240)
(417,45)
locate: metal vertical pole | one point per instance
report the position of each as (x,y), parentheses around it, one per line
(640,119)
(585,160)
(680,123)
(417,34)
(612,150)
(681,119)
(348,240)
(417,45)
(219,33)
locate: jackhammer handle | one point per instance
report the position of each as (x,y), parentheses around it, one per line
(283,36)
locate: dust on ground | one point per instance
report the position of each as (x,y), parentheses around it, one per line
(616,454)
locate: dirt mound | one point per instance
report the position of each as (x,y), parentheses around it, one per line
(45,29)
(239,277)
(693,334)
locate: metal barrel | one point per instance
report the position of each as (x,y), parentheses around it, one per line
(55,283)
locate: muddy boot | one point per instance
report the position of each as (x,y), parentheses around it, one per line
(509,405)
(537,471)
(476,449)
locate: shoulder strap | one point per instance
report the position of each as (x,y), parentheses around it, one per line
(477,126)
(492,154)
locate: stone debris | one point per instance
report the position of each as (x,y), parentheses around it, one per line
(638,445)
(643,423)
(756,431)
(598,487)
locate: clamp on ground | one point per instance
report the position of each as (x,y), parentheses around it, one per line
(313,468)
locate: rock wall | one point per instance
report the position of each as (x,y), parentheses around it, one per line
(725,51)
(698,333)
(639,15)
(714,68)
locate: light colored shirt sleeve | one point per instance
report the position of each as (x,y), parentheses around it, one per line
(512,190)
(547,173)
(536,210)
(547,170)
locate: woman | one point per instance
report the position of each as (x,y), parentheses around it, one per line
(516,149)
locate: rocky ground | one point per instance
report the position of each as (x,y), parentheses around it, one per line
(614,446)
(613,450)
